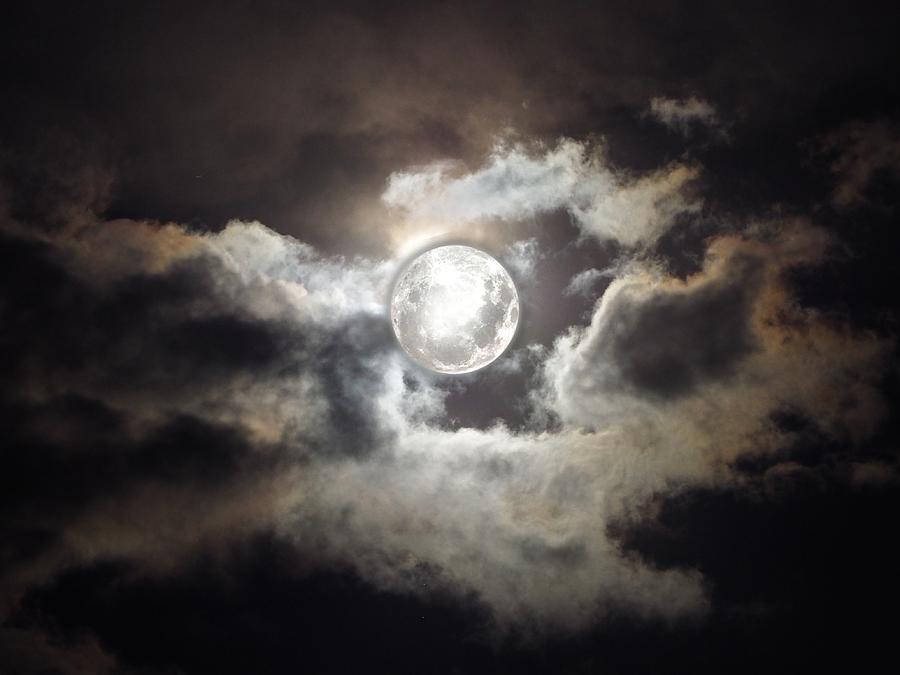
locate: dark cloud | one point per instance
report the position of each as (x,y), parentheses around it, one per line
(350,385)
(129,393)
(66,454)
(669,344)
(774,569)
(687,116)
(866,161)
(257,609)
(215,457)
(159,332)
(664,340)
(293,115)
(177,389)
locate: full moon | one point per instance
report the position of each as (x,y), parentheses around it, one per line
(454,309)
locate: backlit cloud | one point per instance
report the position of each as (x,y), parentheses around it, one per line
(323,431)
(517,183)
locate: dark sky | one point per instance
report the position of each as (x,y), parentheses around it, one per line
(216,459)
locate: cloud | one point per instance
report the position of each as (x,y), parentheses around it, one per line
(28,651)
(799,515)
(522,257)
(584,282)
(518,183)
(250,382)
(686,115)
(726,347)
(215,460)
(666,343)
(310,159)
(241,350)
(248,351)
(863,152)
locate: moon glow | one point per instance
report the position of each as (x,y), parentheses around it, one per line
(454,309)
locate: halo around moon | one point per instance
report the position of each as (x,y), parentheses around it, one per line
(454,309)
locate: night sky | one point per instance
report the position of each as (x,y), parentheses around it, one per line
(216,459)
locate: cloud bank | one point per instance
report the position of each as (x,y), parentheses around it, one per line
(248,381)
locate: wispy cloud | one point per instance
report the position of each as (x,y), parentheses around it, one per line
(861,151)
(518,182)
(685,116)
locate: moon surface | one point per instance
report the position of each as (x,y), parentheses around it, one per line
(454,309)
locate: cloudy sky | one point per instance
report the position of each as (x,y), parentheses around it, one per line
(216,458)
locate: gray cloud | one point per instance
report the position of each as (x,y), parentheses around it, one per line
(28,651)
(322,430)
(685,116)
(584,282)
(518,182)
(863,151)
(727,339)
(522,257)
(665,344)
(206,420)
(317,424)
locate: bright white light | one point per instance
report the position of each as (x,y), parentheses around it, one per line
(454,309)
